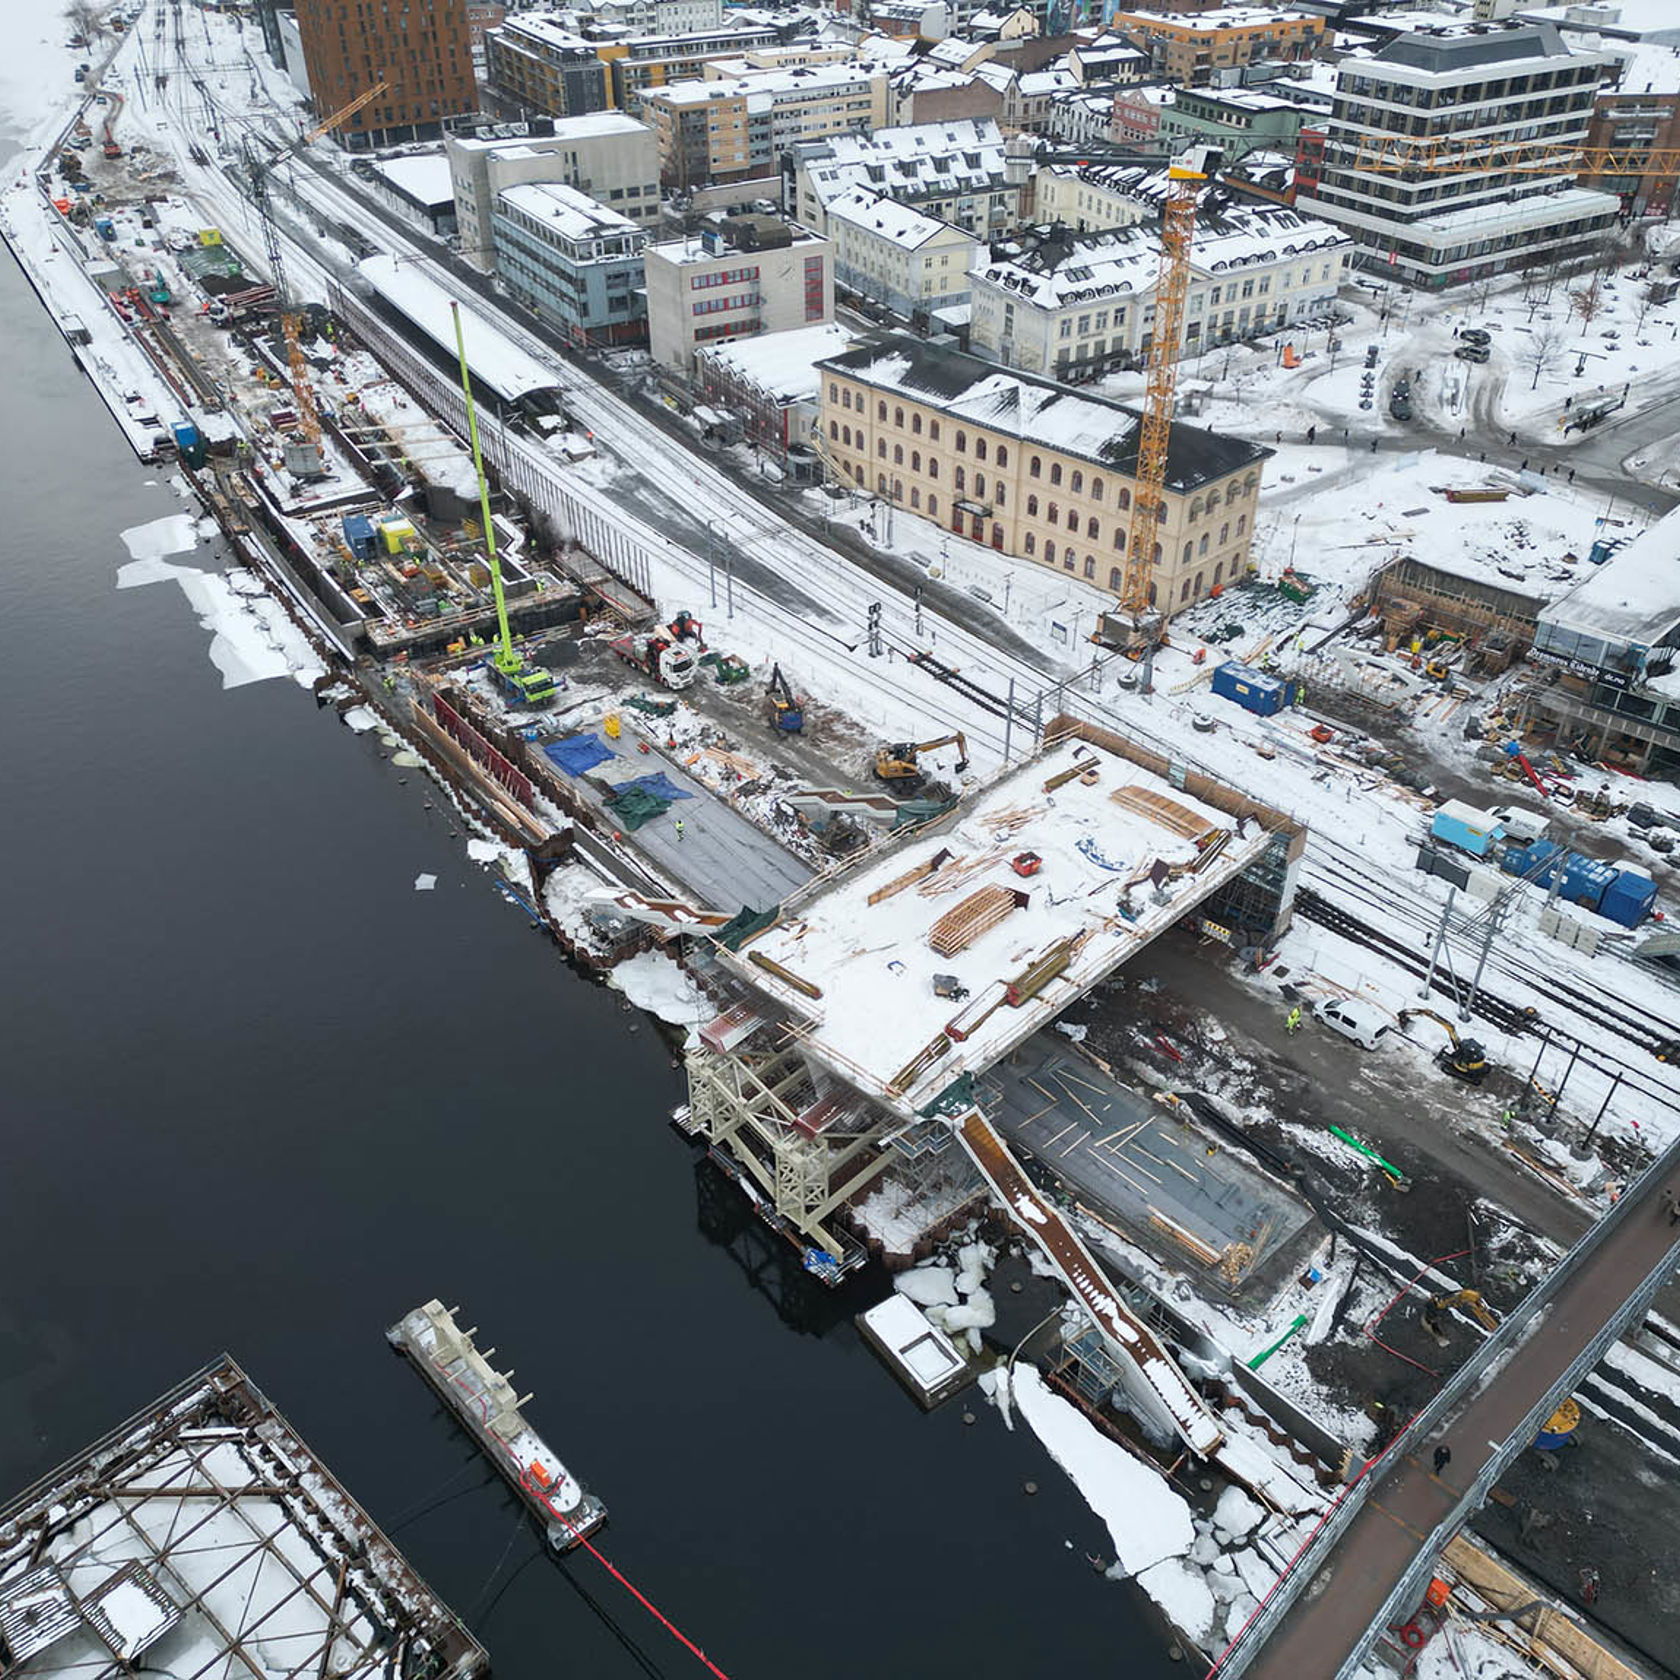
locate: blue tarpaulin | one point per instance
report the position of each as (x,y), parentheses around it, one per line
(578,753)
(659,785)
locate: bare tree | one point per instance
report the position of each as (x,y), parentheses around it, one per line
(1542,352)
(1588,303)
(85,18)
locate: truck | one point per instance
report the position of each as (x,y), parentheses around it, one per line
(658,654)
(1471,830)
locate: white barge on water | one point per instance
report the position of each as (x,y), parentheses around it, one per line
(486,1402)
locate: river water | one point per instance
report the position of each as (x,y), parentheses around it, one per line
(262,1095)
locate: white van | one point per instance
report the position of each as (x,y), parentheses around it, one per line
(1363,1022)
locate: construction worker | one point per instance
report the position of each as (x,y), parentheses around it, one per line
(679,828)
(1292,1021)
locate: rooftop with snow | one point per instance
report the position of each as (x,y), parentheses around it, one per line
(1038,410)
(1123,855)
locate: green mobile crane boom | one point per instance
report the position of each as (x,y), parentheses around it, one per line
(523,683)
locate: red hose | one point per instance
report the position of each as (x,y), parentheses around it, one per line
(1406,1289)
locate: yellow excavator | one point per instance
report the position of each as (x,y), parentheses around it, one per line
(1463,1058)
(1470,1299)
(896,761)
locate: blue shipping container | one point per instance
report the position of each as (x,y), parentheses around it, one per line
(1536,862)
(1253,690)
(1584,880)
(359,535)
(1628,899)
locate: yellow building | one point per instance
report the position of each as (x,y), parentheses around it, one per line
(1187,49)
(1034,469)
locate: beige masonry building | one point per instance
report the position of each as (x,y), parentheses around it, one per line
(1032,468)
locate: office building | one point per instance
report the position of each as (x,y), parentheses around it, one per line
(1443,90)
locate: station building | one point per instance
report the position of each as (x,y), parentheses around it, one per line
(1034,469)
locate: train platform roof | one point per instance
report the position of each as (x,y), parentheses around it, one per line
(493,357)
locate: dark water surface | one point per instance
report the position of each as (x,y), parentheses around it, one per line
(261,1095)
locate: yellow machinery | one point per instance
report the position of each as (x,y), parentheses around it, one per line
(897,761)
(1470,1299)
(303,456)
(1463,1058)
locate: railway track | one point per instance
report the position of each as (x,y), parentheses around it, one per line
(1512,1019)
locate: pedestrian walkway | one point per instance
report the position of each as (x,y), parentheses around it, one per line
(1350,1587)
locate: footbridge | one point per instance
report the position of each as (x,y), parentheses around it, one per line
(1366,1567)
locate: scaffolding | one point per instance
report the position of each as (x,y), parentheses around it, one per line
(801,1151)
(204,1535)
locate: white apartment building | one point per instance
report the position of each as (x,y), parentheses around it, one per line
(751,274)
(609,156)
(957,171)
(1091,199)
(911,262)
(1076,306)
(1451,87)
(655,17)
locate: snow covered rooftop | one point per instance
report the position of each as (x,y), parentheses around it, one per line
(568,212)
(492,356)
(423,179)
(801,79)
(886,218)
(781,364)
(1634,597)
(920,160)
(1226,17)
(1117,260)
(1123,856)
(595,126)
(1037,410)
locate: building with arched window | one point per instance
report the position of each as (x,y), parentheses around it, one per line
(1034,434)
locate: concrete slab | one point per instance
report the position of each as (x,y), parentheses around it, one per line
(1139,1162)
(723,860)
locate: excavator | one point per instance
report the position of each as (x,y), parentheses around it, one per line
(785,710)
(1470,1299)
(1463,1058)
(896,761)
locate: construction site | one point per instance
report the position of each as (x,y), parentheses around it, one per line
(901,975)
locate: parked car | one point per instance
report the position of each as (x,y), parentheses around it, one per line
(1476,335)
(1353,1018)
(1473,353)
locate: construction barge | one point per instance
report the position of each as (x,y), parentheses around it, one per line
(485,1401)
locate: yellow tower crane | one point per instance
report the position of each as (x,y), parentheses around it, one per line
(1135,627)
(303,455)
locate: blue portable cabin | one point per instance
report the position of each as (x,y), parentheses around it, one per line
(1584,880)
(1629,898)
(1471,830)
(359,536)
(1253,690)
(189,443)
(1537,861)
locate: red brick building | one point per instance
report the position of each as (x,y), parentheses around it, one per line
(422,50)
(1640,114)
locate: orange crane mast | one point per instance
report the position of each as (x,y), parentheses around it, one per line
(1136,627)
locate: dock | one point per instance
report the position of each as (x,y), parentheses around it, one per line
(488,1407)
